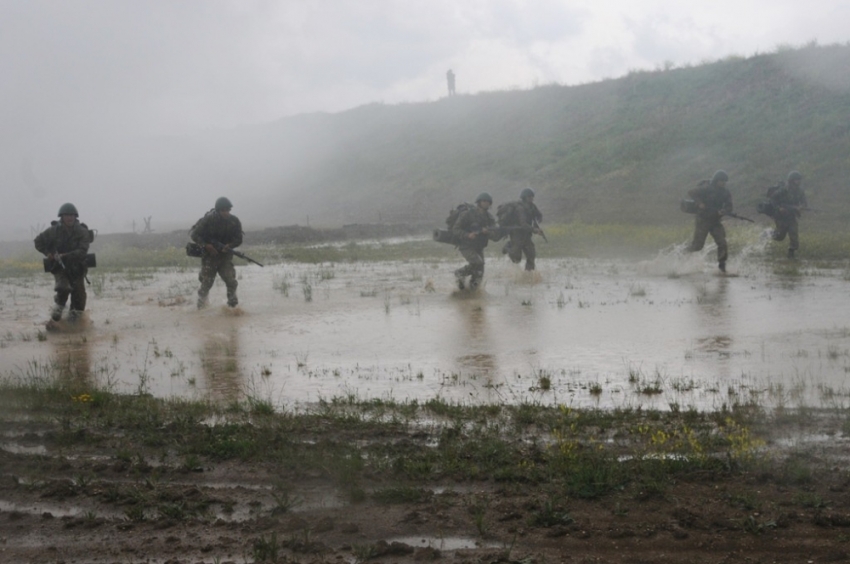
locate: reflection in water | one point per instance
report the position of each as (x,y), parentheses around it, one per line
(476,354)
(73,359)
(714,313)
(220,360)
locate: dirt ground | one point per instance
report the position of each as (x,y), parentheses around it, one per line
(63,505)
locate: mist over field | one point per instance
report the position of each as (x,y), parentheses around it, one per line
(621,150)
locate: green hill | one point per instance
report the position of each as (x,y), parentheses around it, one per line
(623,150)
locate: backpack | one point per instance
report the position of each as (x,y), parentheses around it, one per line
(455,213)
(508,214)
(447,235)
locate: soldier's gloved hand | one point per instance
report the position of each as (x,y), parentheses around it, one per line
(210,249)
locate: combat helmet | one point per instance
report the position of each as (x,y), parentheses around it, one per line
(719,176)
(794,176)
(526,193)
(484,197)
(223,204)
(68,209)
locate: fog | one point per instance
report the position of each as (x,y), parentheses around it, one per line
(143,109)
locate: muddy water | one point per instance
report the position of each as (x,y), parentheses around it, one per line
(579,332)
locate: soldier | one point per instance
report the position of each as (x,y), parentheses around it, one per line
(524,224)
(713,200)
(218,232)
(788,200)
(66,243)
(473,229)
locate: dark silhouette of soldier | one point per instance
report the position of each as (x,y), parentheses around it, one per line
(450,79)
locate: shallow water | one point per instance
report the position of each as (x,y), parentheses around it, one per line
(578,332)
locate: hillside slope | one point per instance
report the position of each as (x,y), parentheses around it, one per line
(622,150)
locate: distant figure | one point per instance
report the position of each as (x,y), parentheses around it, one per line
(787,202)
(473,230)
(522,220)
(218,233)
(65,243)
(713,200)
(450,79)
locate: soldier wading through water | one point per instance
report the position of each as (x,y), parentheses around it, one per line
(474,228)
(713,200)
(787,202)
(66,243)
(521,220)
(218,233)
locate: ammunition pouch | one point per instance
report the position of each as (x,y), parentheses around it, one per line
(194,250)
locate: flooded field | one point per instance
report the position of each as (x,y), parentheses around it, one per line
(666,333)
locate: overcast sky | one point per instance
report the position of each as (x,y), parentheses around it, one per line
(175,66)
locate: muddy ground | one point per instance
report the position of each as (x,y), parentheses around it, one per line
(116,500)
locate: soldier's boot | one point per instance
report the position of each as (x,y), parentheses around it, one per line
(722,266)
(459,277)
(56,312)
(202,302)
(474,282)
(74,315)
(529,265)
(232,300)
(791,254)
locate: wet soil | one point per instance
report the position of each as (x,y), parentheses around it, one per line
(82,505)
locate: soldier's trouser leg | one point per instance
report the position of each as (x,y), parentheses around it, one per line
(228,274)
(475,266)
(718,233)
(62,288)
(530,254)
(78,294)
(794,236)
(779,231)
(209,267)
(701,230)
(515,248)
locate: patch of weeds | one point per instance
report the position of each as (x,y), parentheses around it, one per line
(364,552)
(550,515)
(284,499)
(811,500)
(266,549)
(756,526)
(400,495)
(595,389)
(478,511)
(746,500)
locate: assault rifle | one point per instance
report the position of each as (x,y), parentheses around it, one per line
(736,216)
(536,224)
(220,248)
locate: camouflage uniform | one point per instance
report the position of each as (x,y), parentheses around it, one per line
(717,200)
(72,242)
(521,234)
(473,220)
(787,200)
(213,227)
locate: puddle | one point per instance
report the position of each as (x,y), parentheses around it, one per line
(58,512)
(21,449)
(444,543)
(584,333)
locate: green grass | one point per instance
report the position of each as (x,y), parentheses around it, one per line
(356,443)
